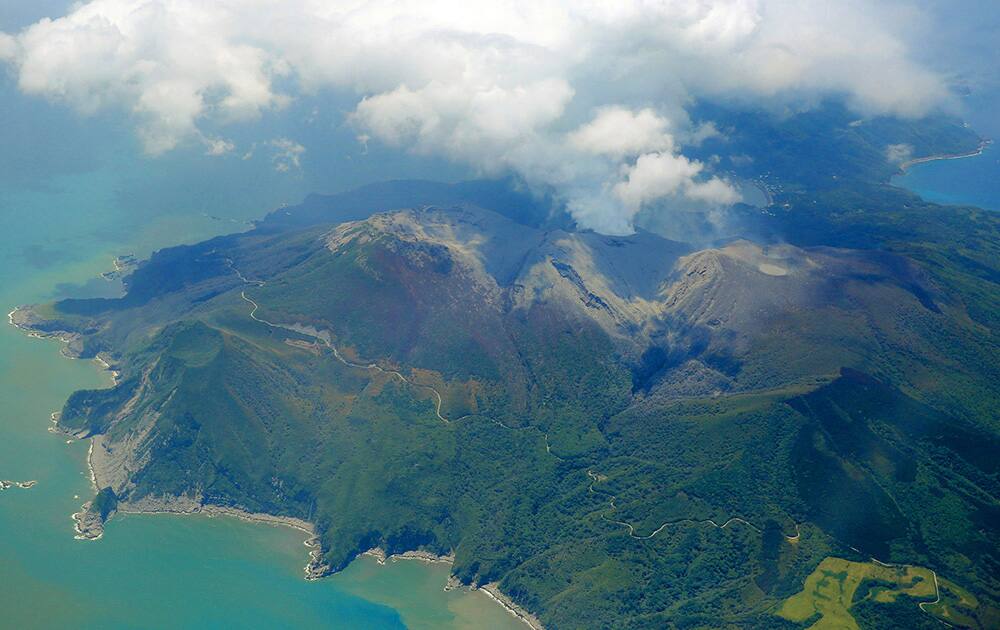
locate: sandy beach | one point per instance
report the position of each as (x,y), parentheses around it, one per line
(494,593)
(491,590)
(945,156)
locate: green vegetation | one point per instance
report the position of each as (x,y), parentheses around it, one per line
(104,504)
(828,146)
(845,594)
(692,469)
(960,608)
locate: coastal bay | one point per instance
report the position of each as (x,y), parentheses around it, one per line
(973,180)
(158,570)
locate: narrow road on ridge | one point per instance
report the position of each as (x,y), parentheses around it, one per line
(326,337)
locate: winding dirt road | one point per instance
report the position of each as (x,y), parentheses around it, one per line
(336,353)
(595,478)
(325,338)
(937,588)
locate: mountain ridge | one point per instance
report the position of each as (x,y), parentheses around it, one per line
(541,401)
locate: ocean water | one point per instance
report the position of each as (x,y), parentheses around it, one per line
(73,194)
(973,181)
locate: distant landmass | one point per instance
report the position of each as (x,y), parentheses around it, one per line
(698,425)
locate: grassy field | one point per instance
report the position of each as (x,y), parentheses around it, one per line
(837,584)
(959,607)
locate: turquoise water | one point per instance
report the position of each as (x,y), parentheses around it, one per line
(973,181)
(63,216)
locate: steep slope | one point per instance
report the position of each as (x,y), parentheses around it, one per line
(621,430)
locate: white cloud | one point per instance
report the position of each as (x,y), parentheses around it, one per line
(713,191)
(587,96)
(657,175)
(482,124)
(898,153)
(287,154)
(8,47)
(619,132)
(703,132)
(218,146)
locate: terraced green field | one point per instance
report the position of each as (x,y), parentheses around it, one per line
(838,587)
(831,590)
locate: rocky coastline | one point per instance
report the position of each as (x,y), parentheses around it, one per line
(381,557)
(313,570)
(89,522)
(123,266)
(24,318)
(6,484)
(491,590)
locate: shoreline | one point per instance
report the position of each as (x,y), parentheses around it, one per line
(72,347)
(185,506)
(108,367)
(904,166)
(86,524)
(379,555)
(316,569)
(6,484)
(768,195)
(491,590)
(212,511)
(90,526)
